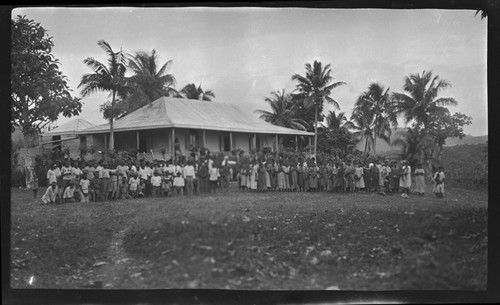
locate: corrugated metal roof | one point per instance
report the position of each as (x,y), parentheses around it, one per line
(167,112)
(71,127)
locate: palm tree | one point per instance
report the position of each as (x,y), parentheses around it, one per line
(376,103)
(148,82)
(362,124)
(110,78)
(336,121)
(315,88)
(190,91)
(282,113)
(413,144)
(419,102)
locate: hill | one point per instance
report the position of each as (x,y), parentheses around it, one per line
(467,140)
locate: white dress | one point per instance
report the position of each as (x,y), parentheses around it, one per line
(361,182)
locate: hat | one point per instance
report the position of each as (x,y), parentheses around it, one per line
(178,174)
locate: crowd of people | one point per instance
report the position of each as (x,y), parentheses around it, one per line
(353,176)
(76,181)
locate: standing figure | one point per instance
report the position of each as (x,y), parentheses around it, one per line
(420,179)
(439,182)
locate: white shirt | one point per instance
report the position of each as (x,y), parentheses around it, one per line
(156,181)
(213,172)
(188,171)
(143,173)
(51,176)
(178,181)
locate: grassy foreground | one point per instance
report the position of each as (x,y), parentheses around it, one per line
(254,241)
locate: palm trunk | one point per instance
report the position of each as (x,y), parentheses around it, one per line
(375,145)
(315,128)
(366,145)
(111,131)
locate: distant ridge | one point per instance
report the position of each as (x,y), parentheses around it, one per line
(383,147)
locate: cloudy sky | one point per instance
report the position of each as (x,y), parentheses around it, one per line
(243,54)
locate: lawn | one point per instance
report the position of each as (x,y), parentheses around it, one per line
(239,240)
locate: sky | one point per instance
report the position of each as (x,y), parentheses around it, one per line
(244,54)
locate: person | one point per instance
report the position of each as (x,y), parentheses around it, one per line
(273,175)
(439,182)
(141,188)
(267,175)
(133,185)
(340,177)
(224,176)
(51,174)
(386,176)
(95,190)
(84,188)
(300,175)
(213,173)
(33,181)
(113,184)
(360,181)
(367,178)
(166,184)
(105,181)
(375,177)
(394,178)
(177,148)
(188,174)
(286,171)
(261,182)
(253,176)
(281,177)
(179,184)
(50,194)
(405,177)
(123,189)
(149,173)
(66,174)
(420,179)
(156,184)
(313,177)
(243,178)
(69,193)
(349,177)
(294,178)
(202,175)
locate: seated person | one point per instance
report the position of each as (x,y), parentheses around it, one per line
(50,195)
(69,193)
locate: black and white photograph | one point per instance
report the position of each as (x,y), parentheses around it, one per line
(249,148)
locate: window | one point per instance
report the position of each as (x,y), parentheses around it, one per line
(57,143)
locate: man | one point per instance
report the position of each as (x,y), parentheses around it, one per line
(66,174)
(51,174)
(69,193)
(188,173)
(224,175)
(50,195)
(202,176)
(105,181)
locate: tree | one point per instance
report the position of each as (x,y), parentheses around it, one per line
(190,91)
(110,78)
(447,126)
(361,123)
(314,89)
(282,112)
(375,107)
(336,121)
(419,102)
(414,145)
(39,91)
(148,83)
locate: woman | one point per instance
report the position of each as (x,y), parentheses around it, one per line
(294,179)
(349,177)
(313,178)
(340,178)
(243,178)
(253,176)
(300,175)
(261,183)
(405,177)
(281,178)
(286,171)
(359,177)
(420,179)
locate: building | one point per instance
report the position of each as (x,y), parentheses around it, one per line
(66,136)
(217,126)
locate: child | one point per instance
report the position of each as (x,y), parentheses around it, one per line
(50,195)
(133,185)
(123,189)
(84,188)
(439,182)
(420,179)
(213,173)
(179,184)
(95,189)
(156,184)
(166,184)
(33,181)
(141,188)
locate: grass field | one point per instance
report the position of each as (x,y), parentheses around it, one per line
(269,241)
